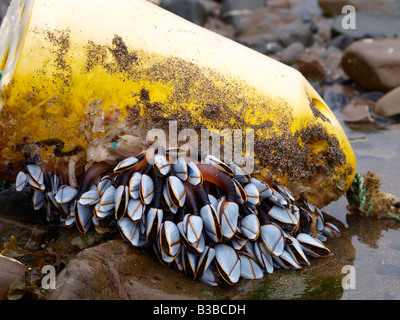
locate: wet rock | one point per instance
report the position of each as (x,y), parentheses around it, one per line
(283,4)
(272,25)
(218,26)
(191,10)
(306,9)
(335,101)
(340,86)
(372,95)
(233,10)
(296,31)
(356,111)
(212,8)
(112,271)
(11,271)
(29,236)
(18,205)
(318,63)
(374,63)
(389,104)
(341,41)
(291,53)
(323,36)
(18,218)
(370,25)
(334,7)
(311,67)
(273,47)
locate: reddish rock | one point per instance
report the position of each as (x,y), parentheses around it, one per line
(389,104)
(356,111)
(11,271)
(112,271)
(29,236)
(318,63)
(373,63)
(311,67)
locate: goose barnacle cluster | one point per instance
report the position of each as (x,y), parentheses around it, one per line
(208,219)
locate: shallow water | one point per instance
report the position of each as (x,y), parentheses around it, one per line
(376,244)
(368,247)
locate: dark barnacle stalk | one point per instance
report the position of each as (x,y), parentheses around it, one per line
(228,210)
(155,213)
(83,214)
(208,220)
(190,223)
(208,213)
(121,196)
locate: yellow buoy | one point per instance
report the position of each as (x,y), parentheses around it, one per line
(83,78)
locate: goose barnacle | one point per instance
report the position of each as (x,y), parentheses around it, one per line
(212,223)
